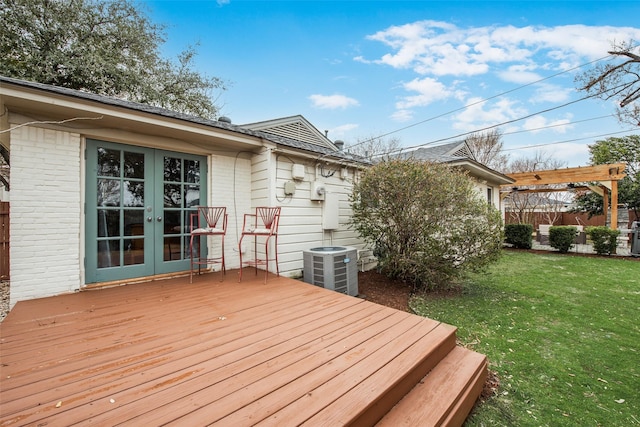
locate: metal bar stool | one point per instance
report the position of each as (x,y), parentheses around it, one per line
(262,224)
(207,221)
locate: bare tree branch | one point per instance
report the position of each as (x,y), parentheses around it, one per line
(617,80)
(48,122)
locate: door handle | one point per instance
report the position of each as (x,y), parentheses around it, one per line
(149,219)
(159,219)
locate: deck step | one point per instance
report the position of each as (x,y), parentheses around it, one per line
(445,396)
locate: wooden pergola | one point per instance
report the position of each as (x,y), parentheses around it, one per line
(580,178)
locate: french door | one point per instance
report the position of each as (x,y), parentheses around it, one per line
(138,206)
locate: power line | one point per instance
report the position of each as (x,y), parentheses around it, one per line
(558,125)
(479,102)
(493,126)
(568,140)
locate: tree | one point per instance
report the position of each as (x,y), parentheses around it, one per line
(486,148)
(624,149)
(100,46)
(619,80)
(523,205)
(374,147)
(426,223)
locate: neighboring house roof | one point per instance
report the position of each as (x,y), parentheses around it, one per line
(294,127)
(322,150)
(441,153)
(457,154)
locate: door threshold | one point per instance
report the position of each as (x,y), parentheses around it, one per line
(133,281)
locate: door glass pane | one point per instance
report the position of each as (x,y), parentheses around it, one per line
(172,222)
(108,192)
(108,162)
(192,171)
(134,253)
(172,196)
(192,196)
(196,247)
(172,248)
(133,165)
(108,253)
(108,223)
(190,220)
(133,194)
(133,222)
(172,169)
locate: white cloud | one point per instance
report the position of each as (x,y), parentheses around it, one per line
(480,114)
(551,93)
(333,102)
(539,123)
(402,116)
(429,90)
(343,129)
(440,48)
(520,74)
(433,50)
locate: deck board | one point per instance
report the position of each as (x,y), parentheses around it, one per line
(229,353)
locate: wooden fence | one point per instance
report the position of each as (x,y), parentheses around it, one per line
(565,218)
(4,240)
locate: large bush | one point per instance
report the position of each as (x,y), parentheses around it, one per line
(604,239)
(519,235)
(425,221)
(562,237)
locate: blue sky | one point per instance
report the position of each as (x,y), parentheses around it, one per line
(416,71)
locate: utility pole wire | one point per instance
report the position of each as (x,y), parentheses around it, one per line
(480,101)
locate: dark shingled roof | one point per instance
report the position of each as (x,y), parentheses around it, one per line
(163,112)
(439,153)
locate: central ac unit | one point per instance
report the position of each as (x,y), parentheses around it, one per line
(332,267)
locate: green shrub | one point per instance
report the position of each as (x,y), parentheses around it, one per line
(425,222)
(604,239)
(562,237)
(519,235)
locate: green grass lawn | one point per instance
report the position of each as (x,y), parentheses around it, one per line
(561,332)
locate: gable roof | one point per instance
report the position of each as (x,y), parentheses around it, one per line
(293,127)
(23,95)
(457,154)
(441,153)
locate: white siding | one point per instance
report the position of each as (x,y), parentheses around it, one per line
(45,213)
(47,218)
(302,218)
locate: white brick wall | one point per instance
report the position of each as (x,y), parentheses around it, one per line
(45,213)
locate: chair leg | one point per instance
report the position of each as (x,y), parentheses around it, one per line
(191,260)
(224,268)
(276,249)
(266,260)
(240,253)
(255,253)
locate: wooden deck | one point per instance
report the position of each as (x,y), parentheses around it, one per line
(226,353)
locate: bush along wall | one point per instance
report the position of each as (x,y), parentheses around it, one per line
(562,237)
(604,239)
(519,235)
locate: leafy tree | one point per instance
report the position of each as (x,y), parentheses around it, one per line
(486,148)
(624,149)
(107,47)
(425,222)
(618,80)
